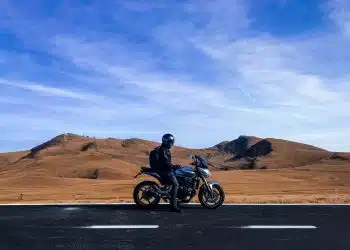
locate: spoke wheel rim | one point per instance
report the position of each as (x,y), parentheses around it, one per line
(146,197)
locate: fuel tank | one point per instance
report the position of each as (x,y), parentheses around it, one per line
(186,171)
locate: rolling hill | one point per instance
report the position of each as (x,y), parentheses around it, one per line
(73,167)
(75,156)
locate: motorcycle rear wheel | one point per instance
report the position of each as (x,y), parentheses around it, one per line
(205,199)
(150,186)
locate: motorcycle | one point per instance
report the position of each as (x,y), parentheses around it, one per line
(210,194)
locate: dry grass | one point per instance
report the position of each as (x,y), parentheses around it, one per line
(63,172)
(314,184)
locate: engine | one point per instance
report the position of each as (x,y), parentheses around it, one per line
(186,177)
(186,187)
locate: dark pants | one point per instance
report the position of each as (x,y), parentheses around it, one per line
(175,186)
(170,179)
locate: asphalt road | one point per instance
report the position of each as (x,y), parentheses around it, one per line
(94,227)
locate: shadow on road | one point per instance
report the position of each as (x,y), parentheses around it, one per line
(129,207)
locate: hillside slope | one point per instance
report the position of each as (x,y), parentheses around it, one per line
(74,168)
(75,156)
(269,153)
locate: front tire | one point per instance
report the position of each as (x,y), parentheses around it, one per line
(152,200)
(211,202)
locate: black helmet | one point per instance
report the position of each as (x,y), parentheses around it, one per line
(168,140)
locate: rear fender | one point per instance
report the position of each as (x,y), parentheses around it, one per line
(155,175)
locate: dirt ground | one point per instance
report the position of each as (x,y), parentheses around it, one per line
(72,168)
(311,184)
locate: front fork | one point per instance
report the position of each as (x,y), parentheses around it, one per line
(208,187)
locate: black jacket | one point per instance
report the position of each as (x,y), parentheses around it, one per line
(164,159)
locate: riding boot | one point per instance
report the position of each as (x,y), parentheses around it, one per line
(174,190)
(174,201)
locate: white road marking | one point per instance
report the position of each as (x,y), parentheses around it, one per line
(278,227)
(121,227)
(71,208)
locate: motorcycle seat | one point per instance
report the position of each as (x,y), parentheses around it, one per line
(161,178)
(148,170)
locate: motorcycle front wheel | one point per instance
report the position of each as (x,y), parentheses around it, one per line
(214,201)
(148,198)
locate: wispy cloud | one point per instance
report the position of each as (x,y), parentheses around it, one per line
(339,12)
(204,72)
(47,90)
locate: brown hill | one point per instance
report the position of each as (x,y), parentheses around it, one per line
(268,153)
(288,154)
(102,169)
(75,156)
(238,146)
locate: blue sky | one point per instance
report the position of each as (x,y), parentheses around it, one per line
(205,71)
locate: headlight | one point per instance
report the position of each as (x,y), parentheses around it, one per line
(205,172)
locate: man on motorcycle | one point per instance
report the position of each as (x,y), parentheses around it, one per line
(164,167)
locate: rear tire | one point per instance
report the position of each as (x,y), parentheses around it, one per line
(204,196)
(149,185)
